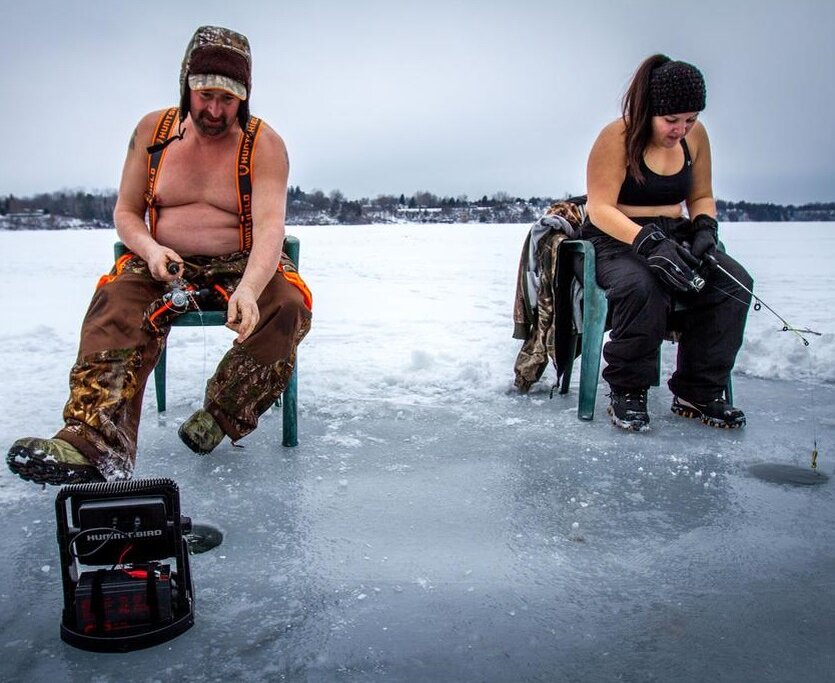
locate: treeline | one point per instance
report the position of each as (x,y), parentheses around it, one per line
(87,206)
(748,211)
(316,207)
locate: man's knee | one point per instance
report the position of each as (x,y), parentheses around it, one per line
(290,316)
(285,320)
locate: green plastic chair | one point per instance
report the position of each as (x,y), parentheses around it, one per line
(593,325)
(288,400)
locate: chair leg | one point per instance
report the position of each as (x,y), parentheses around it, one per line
(595,308)
(289,411)
(289,403)
(569,364)
(595,311)
(159,380)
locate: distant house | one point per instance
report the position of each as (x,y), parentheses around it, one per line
(27,213)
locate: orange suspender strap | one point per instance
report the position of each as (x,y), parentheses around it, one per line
(246,150)
(156,152)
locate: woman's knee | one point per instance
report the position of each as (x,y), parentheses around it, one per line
(639,288)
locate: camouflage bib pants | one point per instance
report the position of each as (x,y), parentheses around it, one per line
(118,350)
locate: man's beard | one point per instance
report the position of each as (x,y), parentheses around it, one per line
(209,126)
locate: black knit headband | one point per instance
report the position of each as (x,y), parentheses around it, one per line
(675,88)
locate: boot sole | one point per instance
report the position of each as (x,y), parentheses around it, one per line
(627,425)
(686,411)
(40,471)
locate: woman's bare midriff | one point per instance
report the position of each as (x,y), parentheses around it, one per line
(198,229)
(671,211)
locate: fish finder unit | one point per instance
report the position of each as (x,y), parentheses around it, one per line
(124,564)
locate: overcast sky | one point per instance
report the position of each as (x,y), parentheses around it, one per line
(467,97)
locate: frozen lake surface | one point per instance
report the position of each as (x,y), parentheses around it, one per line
(433,525)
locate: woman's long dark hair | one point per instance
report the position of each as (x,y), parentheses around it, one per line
(636,114)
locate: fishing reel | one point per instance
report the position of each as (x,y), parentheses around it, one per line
(178,298)
(697,283)
(181,293)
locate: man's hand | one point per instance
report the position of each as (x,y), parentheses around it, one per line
(242,314)
(669,262)
(705,235)
(159,262)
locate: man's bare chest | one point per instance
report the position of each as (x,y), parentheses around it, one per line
(191,175)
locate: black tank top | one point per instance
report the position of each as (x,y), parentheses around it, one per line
(658,190)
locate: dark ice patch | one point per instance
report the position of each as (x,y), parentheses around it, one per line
(794,475)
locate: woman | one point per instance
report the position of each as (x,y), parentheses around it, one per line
(641,169)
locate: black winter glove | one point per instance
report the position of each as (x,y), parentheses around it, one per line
(705,235)
(669,262)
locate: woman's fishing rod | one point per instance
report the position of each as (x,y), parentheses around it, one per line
(759,303)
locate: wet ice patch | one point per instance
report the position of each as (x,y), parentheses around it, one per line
(794,475)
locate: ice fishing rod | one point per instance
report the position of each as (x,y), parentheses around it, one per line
(759,303)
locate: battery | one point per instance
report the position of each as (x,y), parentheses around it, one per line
(108,601)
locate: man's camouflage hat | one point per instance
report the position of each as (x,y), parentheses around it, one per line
(217,58)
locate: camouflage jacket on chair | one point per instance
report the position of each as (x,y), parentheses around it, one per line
(541,311)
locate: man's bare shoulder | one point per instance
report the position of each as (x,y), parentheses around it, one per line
(271,145)
(143,134)
(270,137)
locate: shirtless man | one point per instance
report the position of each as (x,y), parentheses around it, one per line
(203,228)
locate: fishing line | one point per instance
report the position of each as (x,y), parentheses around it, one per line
(814,413)
(199,312)
(191,294)
(758,304)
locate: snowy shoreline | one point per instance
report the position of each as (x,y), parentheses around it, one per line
(413,313)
